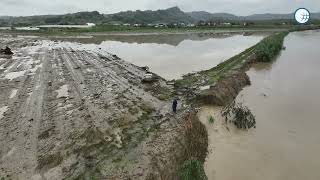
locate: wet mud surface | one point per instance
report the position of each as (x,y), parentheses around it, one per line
(68,111)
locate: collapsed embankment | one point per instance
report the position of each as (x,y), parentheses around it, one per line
(225,90)
(226,80)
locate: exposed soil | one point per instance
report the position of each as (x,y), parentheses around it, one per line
(225,90)
(67,112)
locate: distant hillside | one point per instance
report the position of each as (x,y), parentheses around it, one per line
(171,15)
(76,18)
(206,16)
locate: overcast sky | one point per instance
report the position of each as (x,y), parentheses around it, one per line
(238,7)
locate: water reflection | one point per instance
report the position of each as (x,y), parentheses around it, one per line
(194,52)
(173,55)
(165,39)
(171,62)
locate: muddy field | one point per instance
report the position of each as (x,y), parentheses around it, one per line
(74,112)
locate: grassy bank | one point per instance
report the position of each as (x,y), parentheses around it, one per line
(269,47)
(265,50)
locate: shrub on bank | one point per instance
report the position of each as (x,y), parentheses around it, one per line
(269,47)
(195,149)
(193,170)
(211,119)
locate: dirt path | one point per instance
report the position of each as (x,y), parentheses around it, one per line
(70,112)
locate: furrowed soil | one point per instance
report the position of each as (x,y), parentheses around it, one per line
(74,112)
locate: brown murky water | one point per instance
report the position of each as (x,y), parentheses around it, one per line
(284,96)
(173,55)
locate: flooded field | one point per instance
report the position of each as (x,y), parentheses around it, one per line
(173,55)
(284,97)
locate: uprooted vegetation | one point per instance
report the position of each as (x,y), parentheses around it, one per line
(239,114)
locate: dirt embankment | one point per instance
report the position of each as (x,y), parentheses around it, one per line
(221,84)
(225,90)
(72,112)
(232,77)
(190,142)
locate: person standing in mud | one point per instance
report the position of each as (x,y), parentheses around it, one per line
(174,105)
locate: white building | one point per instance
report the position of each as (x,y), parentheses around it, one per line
(91,24)
(27,28)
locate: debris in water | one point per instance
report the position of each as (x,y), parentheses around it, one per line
(264,94)
(240,115)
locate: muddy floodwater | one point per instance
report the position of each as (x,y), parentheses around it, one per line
(284,97)
(173,55)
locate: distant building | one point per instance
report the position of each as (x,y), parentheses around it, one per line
(5,28)
(137,25)
(160,25)
(87,25)
(27,28)
(91,24)
(126,24)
